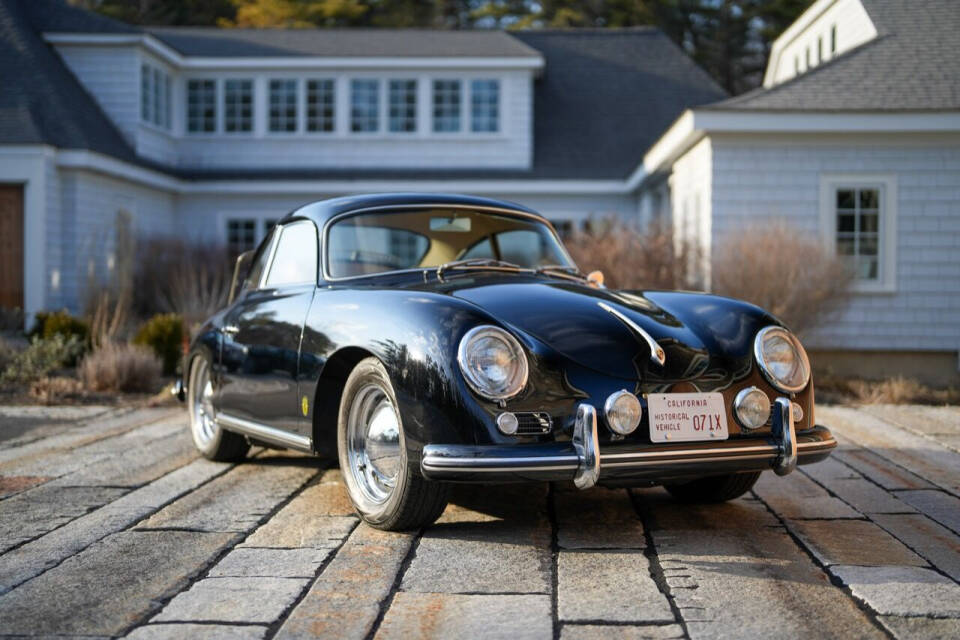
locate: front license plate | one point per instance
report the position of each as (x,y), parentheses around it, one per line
(677,417)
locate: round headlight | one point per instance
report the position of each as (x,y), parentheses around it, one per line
(752,407)
(623,412)
(782,359)
(492,362)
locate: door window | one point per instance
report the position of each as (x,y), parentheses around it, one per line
(295,258)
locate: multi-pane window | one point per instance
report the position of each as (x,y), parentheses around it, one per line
(446,105)
(819,50)
(241,235)
(833,39)
(238,106)
(858,213)
(403,105)
(320,105)
(364,105)
(201,106)
(485,105)
(154,96)
(283,106)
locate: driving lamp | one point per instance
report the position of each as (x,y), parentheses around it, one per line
(623,412)
(492,362)
(782,359)
(752,407)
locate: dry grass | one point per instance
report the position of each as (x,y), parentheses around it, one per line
(57,390)
(120,367)
(782,270)
(899,390)
(631,258)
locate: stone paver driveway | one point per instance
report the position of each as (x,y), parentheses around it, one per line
(111,526)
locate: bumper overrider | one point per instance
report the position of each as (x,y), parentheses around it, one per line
(582,460)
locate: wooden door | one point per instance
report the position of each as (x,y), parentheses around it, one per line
(11,246)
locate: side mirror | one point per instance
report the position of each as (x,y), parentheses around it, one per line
(595,278)
(240,269)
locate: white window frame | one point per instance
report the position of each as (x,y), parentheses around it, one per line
(887,185)
(334,94)
(298,103)
(253,111)
(217,112)
(462,85)
(378,84)
(155,96)
(388,125)
(498,110)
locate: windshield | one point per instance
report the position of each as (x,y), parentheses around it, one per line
(381,241)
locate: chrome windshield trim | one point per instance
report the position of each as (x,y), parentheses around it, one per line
(657,354)
(265,432)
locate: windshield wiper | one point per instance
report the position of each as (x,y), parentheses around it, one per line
(562,271)
(479,263)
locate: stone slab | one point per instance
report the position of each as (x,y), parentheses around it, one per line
(609,585)
(33,558)
(197,632)
(852,542)
(865,496)
(919,419)
(344,602)
(111,586)
(621,632)
(939,506)
(442,616)
(935,543)
(270,563)
(12,485)
(248,600)
(797,496)
(885,473)
(597,519)
(240,499)
(922,628)
(902,591)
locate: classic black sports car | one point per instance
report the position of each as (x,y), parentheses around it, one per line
(430,339)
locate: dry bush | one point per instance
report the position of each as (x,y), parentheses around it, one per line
(120,367)
(175,276)
(631,258)
(55,390)
(782,270)
(843,390)
(109,315)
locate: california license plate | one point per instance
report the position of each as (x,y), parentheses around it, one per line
(676,417)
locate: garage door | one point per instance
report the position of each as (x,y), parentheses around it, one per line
(11,246)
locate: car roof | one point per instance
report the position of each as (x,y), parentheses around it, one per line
(323,210)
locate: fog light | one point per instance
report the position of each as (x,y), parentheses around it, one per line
(797,412)
(507,423)
(752,407)
(622,411)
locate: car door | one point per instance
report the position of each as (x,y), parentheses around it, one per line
(263,330)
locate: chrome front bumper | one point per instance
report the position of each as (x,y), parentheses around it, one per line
(586,464)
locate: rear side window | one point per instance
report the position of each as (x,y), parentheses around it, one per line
(295,259)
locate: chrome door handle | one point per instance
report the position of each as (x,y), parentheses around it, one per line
(230,328)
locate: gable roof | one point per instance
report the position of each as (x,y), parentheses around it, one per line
(911,65)
(603,98)
(42,102)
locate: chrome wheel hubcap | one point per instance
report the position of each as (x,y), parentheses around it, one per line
(203,413)
(373,443)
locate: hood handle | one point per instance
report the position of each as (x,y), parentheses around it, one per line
(657,354)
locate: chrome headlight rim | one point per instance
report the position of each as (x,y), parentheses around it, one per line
(462,354)
(609,404)
(798,349)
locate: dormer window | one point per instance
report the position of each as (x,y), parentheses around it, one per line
(320,106)
(485,106)
(201,106)
(446,106)
(364,105)
(154,96)
(403,106)
(283,106)
(833,39)
(238,106)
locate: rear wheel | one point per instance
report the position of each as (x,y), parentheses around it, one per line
(210,438)
(714,488)
(385,488)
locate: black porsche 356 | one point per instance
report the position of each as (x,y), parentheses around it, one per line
(430,339)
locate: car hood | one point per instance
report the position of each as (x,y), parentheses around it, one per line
(702,336)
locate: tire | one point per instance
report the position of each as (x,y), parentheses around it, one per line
(386,489)
(714,488)
(212,440)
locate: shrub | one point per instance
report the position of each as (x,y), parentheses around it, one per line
(48,324)
(631,258)
(56,389)
(783,270)
(40,358)
(120,367)
(164,334)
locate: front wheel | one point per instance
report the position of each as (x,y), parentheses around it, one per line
(714,488)
(210,438)
(386,490)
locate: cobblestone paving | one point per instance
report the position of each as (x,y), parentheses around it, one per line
(110,525)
